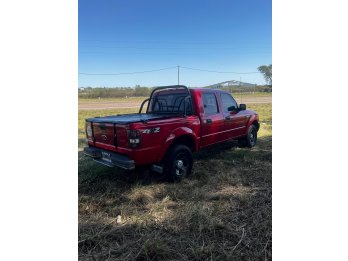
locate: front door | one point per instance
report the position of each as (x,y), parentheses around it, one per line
(234,121)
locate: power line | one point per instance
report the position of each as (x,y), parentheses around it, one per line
(168,48)
(168,68)
(130,72)
(195,69)
(164,52)
(164,42)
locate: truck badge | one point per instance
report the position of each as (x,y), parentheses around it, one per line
(153,130)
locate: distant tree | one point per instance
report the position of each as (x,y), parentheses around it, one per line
(266,70)
(113,92)
(141,91)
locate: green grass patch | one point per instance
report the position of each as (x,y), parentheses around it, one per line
(265,116)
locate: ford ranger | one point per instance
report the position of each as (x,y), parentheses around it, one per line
(177,122)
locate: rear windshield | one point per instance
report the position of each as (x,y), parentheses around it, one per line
(170,102)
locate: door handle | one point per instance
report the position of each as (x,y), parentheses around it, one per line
(209,121)
(228,118)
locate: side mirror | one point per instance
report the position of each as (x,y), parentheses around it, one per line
(242,107)
(232,108)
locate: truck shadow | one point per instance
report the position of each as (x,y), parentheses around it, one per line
(214,151)
(232,149)
(97,179)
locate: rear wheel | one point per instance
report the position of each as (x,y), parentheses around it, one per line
(179,163)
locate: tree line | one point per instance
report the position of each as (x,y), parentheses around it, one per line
(115,92)
(138,91)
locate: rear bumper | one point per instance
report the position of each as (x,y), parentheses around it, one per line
(110,159)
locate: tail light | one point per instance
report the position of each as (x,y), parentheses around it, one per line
(134,138)
(89,131)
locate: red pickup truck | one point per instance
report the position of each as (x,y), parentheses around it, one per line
(177,122)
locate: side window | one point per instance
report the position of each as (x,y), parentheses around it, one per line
(227,101)
(209,103)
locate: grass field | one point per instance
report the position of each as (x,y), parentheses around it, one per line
(223,211)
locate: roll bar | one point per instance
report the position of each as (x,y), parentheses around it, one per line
(142,104)
(169,87)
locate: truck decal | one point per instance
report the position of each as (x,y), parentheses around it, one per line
(153,130)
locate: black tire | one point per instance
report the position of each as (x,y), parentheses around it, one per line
(178,164)
(251,138)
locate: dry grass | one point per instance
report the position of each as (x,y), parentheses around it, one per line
(223,211)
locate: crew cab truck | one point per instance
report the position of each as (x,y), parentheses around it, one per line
(177,122)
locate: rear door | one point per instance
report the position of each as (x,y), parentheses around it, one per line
(234,122)
(211,120)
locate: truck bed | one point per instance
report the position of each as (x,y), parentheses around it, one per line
(131,118)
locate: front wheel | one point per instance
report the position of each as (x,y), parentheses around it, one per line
(179,163)
(251,138)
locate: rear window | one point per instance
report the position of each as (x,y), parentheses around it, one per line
(170,103)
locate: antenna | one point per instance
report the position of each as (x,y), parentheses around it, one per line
(178,74)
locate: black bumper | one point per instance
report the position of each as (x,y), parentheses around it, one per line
(110,159)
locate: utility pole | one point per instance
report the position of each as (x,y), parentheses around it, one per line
(241,93)
(178,74)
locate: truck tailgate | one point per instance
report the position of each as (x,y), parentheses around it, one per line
(104,135)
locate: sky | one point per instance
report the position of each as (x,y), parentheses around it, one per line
(119,37)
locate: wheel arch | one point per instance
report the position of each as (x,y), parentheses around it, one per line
(181,135)
(256,124)
(254,120)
